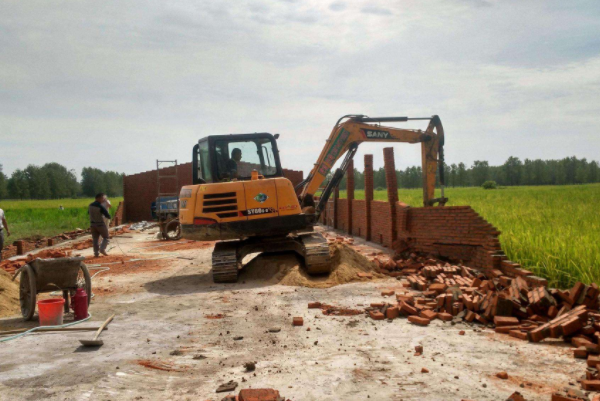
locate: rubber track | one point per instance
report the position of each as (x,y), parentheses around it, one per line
(224,263)
(316,256)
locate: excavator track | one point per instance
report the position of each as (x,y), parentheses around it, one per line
(316,254)
(225,263)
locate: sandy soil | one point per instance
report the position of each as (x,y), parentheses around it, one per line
(176,336)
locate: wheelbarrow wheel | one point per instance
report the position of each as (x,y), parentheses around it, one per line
(27,292)
(85,281)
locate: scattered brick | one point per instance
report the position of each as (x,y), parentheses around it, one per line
(424,370)
(376,315)
(502,375)
(314,305)
(421,321)
(298,321)
(387,293)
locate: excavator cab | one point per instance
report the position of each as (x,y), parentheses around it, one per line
(226,158)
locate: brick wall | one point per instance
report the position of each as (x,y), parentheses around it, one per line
(359,218)
(140,190)
(118,218)
(382,223)
(454,232)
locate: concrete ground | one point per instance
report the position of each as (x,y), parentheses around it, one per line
(169,341)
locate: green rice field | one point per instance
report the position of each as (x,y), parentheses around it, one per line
(553,231)
(35,219)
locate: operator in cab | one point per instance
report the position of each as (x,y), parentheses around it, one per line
(232,164)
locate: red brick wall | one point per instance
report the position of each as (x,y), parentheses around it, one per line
(140,190)
(454,232)
(342,214)
(359,218)
(381,223)
(118,218)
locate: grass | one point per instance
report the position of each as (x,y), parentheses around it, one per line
(553,231)
(36,219)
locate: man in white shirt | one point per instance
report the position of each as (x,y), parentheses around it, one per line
(3,227)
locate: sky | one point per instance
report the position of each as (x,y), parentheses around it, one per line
(119,84)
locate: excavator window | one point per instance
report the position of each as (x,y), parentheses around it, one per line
(237,158)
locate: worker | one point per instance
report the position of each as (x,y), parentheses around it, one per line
(232,164)
(3,226)
(98,226)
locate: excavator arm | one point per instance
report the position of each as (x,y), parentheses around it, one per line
(351,130)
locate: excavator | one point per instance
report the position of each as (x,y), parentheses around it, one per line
(240,197)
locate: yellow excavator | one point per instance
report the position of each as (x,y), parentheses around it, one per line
(241,198)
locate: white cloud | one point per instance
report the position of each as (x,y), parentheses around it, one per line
(118,85)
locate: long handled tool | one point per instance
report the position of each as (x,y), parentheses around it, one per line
(94,342)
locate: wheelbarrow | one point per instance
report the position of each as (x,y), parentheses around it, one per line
(48,275)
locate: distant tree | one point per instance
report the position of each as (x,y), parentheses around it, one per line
(461,175)
(94,180)
(3,184)
(18,185)
(480,172)
(512,169)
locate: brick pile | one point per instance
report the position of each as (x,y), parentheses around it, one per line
(520,305)
(11,266)
(29,245)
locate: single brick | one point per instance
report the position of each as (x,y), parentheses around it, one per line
(298,321)
(505,321)
(387,293)
(424,370)
(590,385)
(392,312)
(419,320)
(314,305)
(376,315)
(502,375)
(444,316)
(429,314)
(518,334)
(259,394)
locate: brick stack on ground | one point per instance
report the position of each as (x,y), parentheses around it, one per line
(510,300)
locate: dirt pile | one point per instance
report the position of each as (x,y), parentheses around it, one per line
(9,295)
(286,269)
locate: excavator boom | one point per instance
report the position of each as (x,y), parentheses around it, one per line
(351,130)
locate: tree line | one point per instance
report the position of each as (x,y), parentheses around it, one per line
(54,181)
(567,171)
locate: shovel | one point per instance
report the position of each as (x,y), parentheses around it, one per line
(94,342)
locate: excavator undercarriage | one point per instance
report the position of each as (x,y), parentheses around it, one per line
(228,256)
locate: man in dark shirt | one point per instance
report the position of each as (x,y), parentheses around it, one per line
(98,226)
(231,165)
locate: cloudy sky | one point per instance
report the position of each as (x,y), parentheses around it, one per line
(118,84)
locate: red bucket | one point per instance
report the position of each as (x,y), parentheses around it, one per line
(51,311)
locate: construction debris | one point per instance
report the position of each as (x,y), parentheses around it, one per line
(511,300)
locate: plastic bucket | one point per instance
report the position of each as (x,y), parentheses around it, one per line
(51,311)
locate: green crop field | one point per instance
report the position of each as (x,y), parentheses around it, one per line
(42,218)
(553,231)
